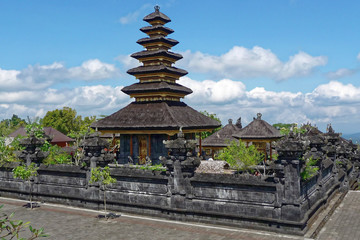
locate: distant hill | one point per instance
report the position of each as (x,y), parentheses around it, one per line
(355,137)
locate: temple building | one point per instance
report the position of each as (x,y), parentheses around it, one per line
(157,113)
(261,134)
(221,139)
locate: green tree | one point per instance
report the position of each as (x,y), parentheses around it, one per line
(102,176)
(8,126)
(80,135)
(212,116)
(64,120)
(26,173)
(240,157)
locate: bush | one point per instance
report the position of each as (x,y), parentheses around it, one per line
(241,157)
(310,169)
(7,153)
(57,156)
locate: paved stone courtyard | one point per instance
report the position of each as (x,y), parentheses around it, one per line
(70,223)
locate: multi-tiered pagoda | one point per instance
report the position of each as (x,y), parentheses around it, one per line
(157,112)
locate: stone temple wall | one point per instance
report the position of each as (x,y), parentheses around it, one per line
(280,201)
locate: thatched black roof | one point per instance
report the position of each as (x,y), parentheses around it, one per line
(156,116)
(157,68)
(161,52)
(157,15)
(258,129)
(170,41)
(156,87)
(156,27)
(223,137)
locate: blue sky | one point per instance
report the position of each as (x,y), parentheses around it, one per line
(294,61)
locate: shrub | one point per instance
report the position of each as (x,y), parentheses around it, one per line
(310,169)
(241,157)
(57,156)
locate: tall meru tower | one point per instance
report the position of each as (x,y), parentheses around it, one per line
(157,112)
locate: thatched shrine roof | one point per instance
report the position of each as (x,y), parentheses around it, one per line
(156,116)
(258,129)
(156,53)
(156,27)
(223,137)
(156,69)
(170,41)
(156,87)
(157,15)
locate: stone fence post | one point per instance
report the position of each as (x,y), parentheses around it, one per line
(290,151)
(181,165)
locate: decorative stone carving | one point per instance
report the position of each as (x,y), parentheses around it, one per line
(94,151)
(32,151)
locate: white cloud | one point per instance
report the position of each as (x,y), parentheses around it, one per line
(93,69)
(332,102)
(128,62)
(358,57)
(240,62)
(133,16)
(215,92)
(336,92)
(88,100)
(43,76)
(340,73)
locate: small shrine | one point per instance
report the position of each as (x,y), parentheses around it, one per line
(221,139)
(259,133)
(157,113)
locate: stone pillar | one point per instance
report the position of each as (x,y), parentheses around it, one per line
(290,151)
(181,165)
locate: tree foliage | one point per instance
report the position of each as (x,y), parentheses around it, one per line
(212,116)
(241,157)
(64,120)
(102,176)
(26,173)
(8,126)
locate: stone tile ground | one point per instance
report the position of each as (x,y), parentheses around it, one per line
(69,223)
(345,221)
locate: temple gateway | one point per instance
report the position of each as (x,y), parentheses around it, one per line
(157,113)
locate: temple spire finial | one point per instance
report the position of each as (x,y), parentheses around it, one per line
(157,8)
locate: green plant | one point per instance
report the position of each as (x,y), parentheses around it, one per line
(10,228)
(157,167)
(102,176)
(57,156)
(212,116)
(6,153)
(241,157)
(310,169)
(26,173)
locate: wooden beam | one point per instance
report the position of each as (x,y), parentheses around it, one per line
(200,147)
(131,145)
(149,153)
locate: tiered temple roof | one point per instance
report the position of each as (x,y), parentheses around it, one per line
(157,107)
